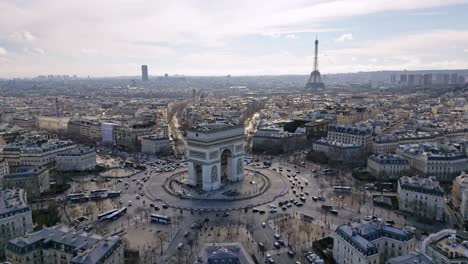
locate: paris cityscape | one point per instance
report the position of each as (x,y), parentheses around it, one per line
(247,132)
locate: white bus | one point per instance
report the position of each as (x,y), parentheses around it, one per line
(342,188)
(104,216)
(160,219)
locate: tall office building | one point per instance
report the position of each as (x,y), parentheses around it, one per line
(144,73)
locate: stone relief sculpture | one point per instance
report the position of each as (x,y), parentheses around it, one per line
(214,173)
(240,166)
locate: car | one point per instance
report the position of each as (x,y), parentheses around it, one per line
(255,210)
(180,245)
(193,225)
(276,245)
(268,256)
(270,261)
(186,234)
(260,245)
(87,228)
(322,199)
(276,236)
(138,197)
(315,198)
(165,206)
(226,214)
(284,208)
(263,224)
(290,253)
(156,208)
(272,211)
(120,202)
(303,199)
(306,193)
(262,211)
(334,211)
(281,242)
(129,203)
(289,205)
(299,204)
(151,204)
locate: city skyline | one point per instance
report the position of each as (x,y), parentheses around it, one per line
(114,39)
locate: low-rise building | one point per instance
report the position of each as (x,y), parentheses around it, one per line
(387,166)
(422,197)
(446,247)
(15,216)
(364,243)
(155,144)
(61,244)
(79,159)
(34,180)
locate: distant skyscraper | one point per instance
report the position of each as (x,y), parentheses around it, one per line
(315,80)
(144,73)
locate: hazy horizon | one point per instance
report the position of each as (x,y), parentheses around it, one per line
(245,38)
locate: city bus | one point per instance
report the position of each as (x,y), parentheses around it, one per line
(117,214)
(98,192)
(342,188)
(160,219)
(104,216)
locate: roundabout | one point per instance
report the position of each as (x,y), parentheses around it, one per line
(260,186)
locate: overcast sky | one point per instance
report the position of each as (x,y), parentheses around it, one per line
(237,37)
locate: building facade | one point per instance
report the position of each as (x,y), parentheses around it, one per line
(432,159)
(15,216)
(61,244)
(153,145)
(388,167)
(4,170)
(79,159)
(34,180)
(460,195)
(38,154)
(370,243)
(422,197)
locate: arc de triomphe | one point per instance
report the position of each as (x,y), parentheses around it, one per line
(215,155)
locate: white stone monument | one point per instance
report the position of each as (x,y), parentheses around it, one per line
(215,155)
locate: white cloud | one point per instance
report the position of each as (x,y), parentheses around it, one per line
(465,50)
(88,51)
(22,36)
(291,36)
(197,26)
(344,37)
(39,51)
(3,51)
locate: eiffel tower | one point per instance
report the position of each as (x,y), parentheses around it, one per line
(315,81)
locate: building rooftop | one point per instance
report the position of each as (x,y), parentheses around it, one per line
(424,185)
(86,248)
(388,159)
(412,258)
(362,235)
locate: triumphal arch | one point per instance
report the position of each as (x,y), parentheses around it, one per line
(215,155)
